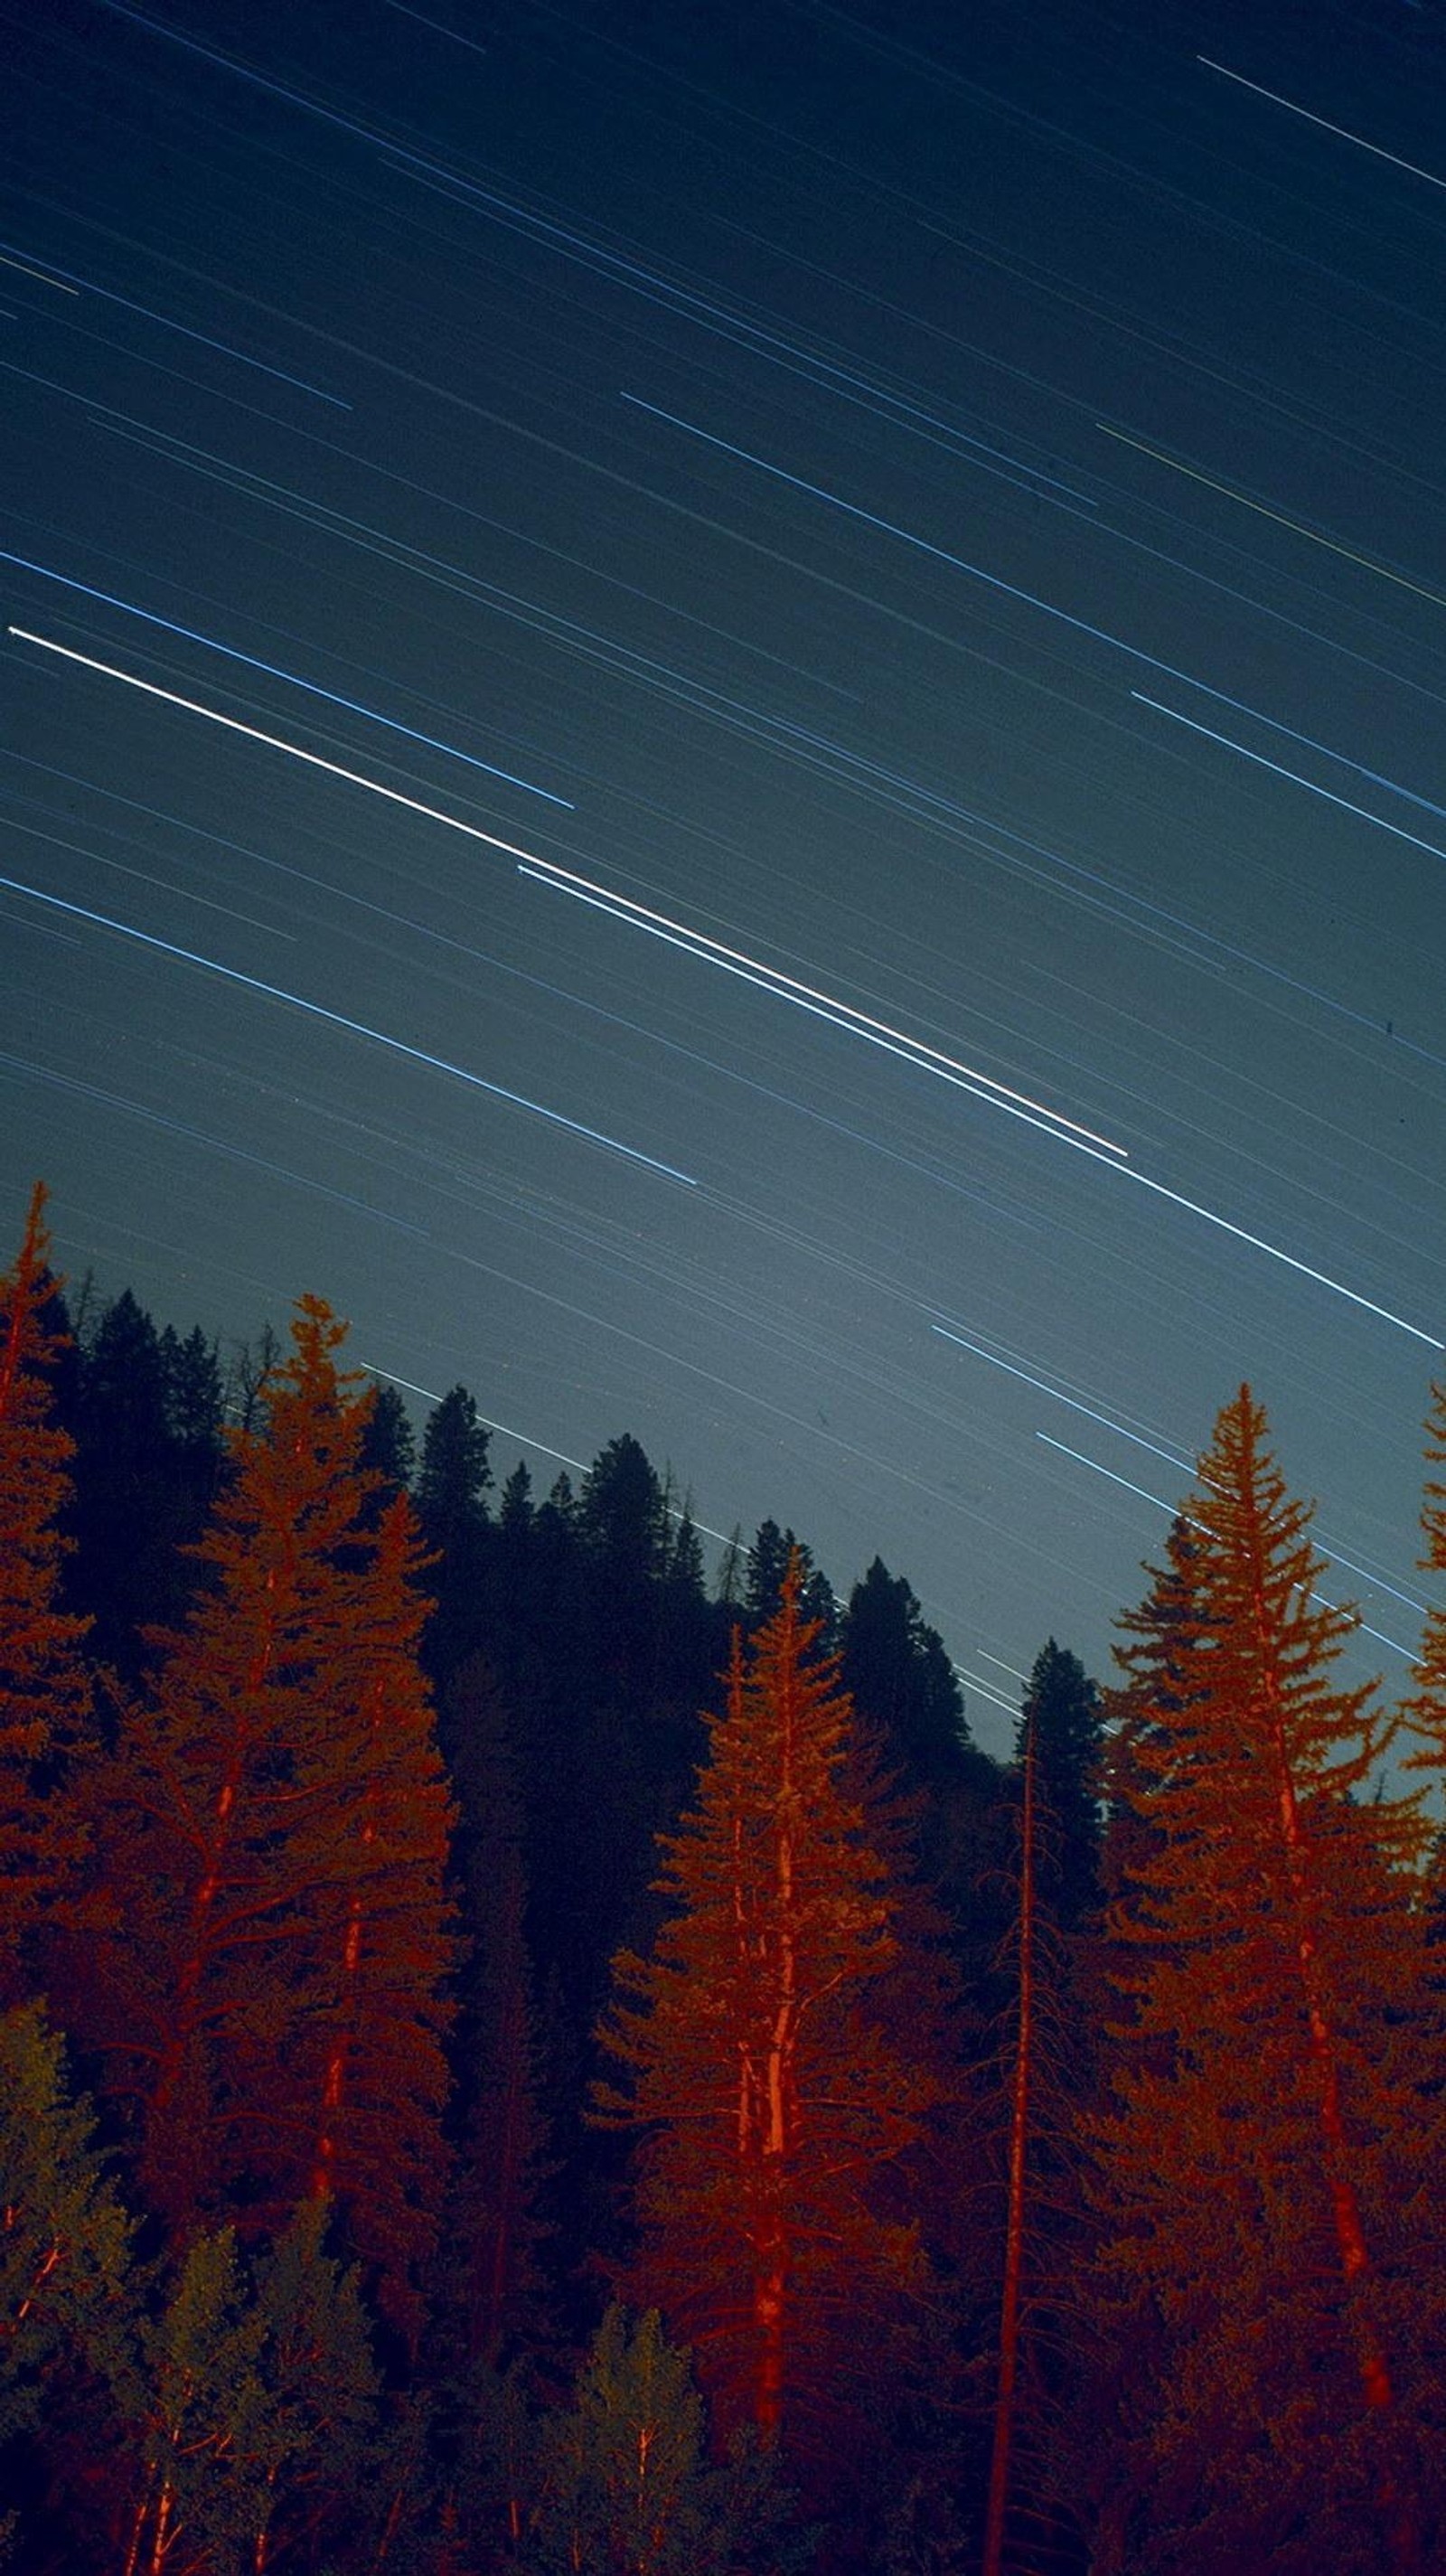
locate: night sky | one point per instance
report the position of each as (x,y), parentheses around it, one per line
(903,551)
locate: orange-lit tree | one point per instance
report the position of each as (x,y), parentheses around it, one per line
(1267,2243)
(760,2060)
(272,1835)
(44,1688)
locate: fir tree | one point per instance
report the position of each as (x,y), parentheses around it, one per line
(66,2273)
(272,1831)
(321,2395)
(627,2488)
(45,1702)
(1063,1723)
(760,2066)
(1266,2235)
(493,2287)
(896,1670)
(201,2452)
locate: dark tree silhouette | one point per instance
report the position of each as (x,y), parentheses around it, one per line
(897,1672)
(1063,1722)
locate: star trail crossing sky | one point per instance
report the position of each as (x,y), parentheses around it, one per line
(733,717)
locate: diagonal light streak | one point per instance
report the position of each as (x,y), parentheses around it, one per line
(1105,1420)
(1343,131)
(354,1028)
(272,741)
(1362,1625)
(808,997)
(1262,509)
(1227,743)
(276,671)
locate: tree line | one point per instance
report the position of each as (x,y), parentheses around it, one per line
(511,2060)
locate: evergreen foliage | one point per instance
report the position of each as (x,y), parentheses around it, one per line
(45,1689)
(317,2286)
(759,2065)
(264,1980)
(896,1670)
(66,2258)
(1266,2225)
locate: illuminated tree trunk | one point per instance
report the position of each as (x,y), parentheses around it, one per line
(44,1691)
(760,2063)
(1274,2073)
(272,1834)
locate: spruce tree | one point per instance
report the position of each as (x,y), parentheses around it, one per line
(266,1986)
(897,1671)
(66,2269)
(1267,2240)
(626,2485)
(761,2067)
(45,1700)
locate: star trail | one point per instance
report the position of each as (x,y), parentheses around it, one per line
(922,531)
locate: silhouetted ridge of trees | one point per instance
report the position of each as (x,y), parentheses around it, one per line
(512,2060)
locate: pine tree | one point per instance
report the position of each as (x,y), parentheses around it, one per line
(1266,2234)
(897,1671)
(772,1553)
(65,2239)
(1062,1721)
(389,1449)
(272,1833)
(760,2066)
(627,2487)
(1023,2085)
(452,1511)
(201,2447)
(45,1707)
(320,2396)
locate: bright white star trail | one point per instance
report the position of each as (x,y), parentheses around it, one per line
(926,526)
(807,997)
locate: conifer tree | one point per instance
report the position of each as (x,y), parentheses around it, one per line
(272,1833)
(1062,1719)
(627,2488)
(200,2464)
(45,1706)
(760,2065)
(1265,2230)
(1023,2085)
(320,2396)
(65,2239)
(897,1671)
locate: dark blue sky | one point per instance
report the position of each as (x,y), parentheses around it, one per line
(935,518)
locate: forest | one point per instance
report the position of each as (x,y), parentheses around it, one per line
(511,2059)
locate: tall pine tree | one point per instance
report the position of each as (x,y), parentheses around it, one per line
(1265,2231)
(267,1983)
(761,2066)
(45,1704)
